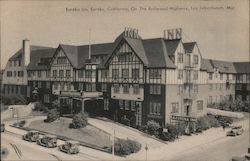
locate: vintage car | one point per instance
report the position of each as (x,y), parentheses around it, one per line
(2,127)
(235,130)
(49,141)
(70,147)
(32,136)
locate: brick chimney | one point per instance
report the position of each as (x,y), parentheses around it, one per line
(26,52)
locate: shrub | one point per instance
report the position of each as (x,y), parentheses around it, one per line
(126,147)
(19,124)
(153,128)
(125,121)
(52,115)
(79,121)
(40,107)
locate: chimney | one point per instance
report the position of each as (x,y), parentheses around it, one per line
(26,52)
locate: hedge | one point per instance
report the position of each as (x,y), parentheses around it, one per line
(125,147)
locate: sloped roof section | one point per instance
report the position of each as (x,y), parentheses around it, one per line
(242,67)
(206,65)
(189,46)
(223,66)
(172,45)
(35,58)
(71,52)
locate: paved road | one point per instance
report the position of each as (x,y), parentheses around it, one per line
(220,150)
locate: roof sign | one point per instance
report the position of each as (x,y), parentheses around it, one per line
(173,34)
(131,33)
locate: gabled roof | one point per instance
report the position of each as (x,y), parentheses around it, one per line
(71,52)
(206,65)
(35,57)
(189,46)
(172,45)
(223,66)
(157,54)
(19,54)
(242,67)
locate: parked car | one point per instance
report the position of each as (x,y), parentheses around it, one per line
(237,158)
(235,130)
(2,127)
(70,147)
(49,141)
(32,136)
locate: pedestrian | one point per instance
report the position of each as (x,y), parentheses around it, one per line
(223,126)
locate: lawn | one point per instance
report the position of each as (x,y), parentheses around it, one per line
(88,134)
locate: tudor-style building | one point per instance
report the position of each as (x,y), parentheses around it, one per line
(140,79)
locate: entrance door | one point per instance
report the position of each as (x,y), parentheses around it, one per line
(138,114)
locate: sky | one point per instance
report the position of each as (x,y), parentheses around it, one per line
(221,28)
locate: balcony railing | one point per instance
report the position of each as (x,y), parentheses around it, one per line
(81,94)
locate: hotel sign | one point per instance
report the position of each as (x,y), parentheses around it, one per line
(184,118)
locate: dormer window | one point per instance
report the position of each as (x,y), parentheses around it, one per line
(180,58)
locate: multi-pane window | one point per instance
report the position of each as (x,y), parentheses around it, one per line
(115,73)
(210,76)
(126,56)
(200,105)
(133,106)
(61,73)
(195,88)
(68,86)
(221,76)
(54,73)
(241,78)
(248,87)
(135,73)
(210,99)
(48,85)
(210,87)
(14,73)
(39,74)
(39,84)
(238,87)
(104,74)
(46,98)
(126,104)
(136,88)
(180,74)
(180,58)
(106,104)
(116,88)
(62,86)
(195,75)
(125,88)
(80,87)
(20,73)
(155,73)
(62,60)
(80,73)
(175,107)
(104,87)
(196,60)
(125,73)
(155,108)
(9,73)
(221,86)
(155,89)
(68,73)
(248,77)
(55,86)
(180,89)
(121,104)
(47,73)
(221,98)
(88,74)
(90,87)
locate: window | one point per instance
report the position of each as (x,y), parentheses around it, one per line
(221,98)
(34,84)
(48,85)
(155,108)
(241,78)
(247,97)
(180,89)
(90,87)
(116,88)
(180,74)
(68,73)
(61,86)
(126,104)
(210,87)
(125,88)
(125,56)
(195,88)
(248,87)
(68,85)
(80,87)
(155,73)
(46,98)
(61,73)
(9,73)
(136,89)
(62,60)
(54,73)
(29,73)
(55,86)
(155,89)
(200,105)
(133,106)
(39,74)
(125,73)
(88,74)
(48,74)
(175,108)
(221,86)
(180,58)
(210,76)
(106,104)
(210,99)
(238,87)
(20,73)
(115,73)
(80,73)
(121,104)
(104,74)
(104,87)
(135,73)
(196,60)
(196,75)
(39,84)
(248,77)
(221,76)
